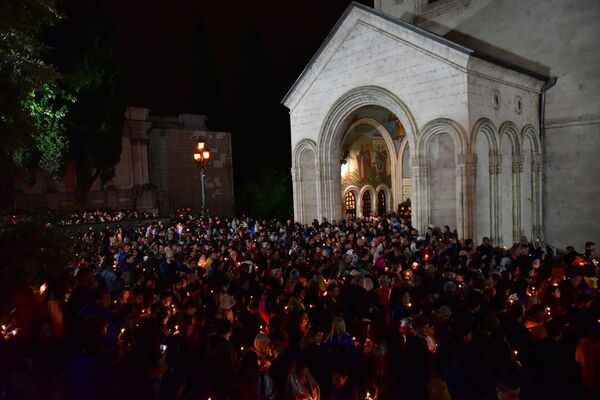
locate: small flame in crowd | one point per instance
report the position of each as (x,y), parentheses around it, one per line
(43,288)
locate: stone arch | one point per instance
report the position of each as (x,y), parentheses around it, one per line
(508,130)
(509,168)
(528,132)
(424,178)
(485,200)
(442,125)
(354,189)
(530,184)
(388,141)
(331,135)
(486,127)
(304,176)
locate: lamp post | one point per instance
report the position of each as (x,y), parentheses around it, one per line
(201,157)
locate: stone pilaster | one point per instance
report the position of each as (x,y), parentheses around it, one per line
(420,177)
(536,177)
(495,171)
(517,169)
(466,169)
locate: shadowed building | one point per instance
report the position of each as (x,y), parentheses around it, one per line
(156,170)
(455,105)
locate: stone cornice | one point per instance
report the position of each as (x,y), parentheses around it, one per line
(580,120)
(491,71)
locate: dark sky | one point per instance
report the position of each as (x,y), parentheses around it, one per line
(156,47)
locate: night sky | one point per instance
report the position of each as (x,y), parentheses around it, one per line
(156,43)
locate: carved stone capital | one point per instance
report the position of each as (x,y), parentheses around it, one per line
(517,166)
(467,158)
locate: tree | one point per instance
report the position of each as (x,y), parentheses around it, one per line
(22,70)
(26,86)
(84,48)
(269,195)
(48,147)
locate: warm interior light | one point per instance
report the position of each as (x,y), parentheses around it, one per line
(200,145)
(206,154)
(197,156)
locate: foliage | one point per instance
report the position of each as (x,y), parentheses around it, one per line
(268,195)
(32,253)
(50,145)
(22,70)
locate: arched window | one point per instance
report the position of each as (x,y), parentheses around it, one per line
(381,206)
(350,203)
(366,203)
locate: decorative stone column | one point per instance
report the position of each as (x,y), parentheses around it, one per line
(419,178)
(536,177)
(466,168)
(495,171)
(297,194)
(517,169)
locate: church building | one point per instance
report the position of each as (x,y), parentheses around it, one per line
(482,115)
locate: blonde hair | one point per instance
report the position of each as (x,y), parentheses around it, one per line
(262,345)
(338,328)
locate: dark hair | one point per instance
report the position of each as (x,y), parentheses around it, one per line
(223,326)
(553,327)
(508,379)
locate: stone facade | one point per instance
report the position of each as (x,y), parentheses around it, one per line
(176,175)
(472,127)
(156,170)
(557,38)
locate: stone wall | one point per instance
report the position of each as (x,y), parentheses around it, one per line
(156,168)
(445,98)
(556,38)
(177,176)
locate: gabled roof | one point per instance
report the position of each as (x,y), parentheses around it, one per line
(413,28)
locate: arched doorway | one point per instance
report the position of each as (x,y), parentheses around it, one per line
(381,203)
(350,203)
(369,158)
(345,113)
(366,204)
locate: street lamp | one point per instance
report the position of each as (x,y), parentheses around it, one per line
(201,157)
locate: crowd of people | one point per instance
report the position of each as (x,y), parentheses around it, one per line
(67,218)
(356,309)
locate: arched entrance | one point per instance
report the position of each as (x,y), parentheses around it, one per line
(350,203)
(369,157)
(366,203)
(381,202)
(376,108)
